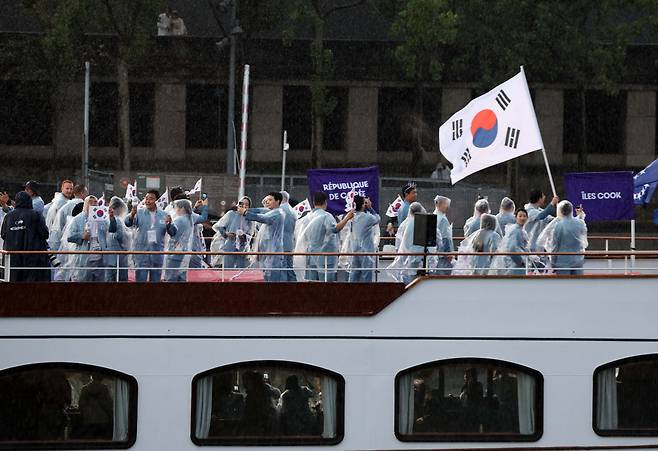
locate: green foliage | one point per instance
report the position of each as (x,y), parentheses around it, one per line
(132,21)
(425,28)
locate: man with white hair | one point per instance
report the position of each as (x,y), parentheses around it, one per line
(443,234)
(505,214)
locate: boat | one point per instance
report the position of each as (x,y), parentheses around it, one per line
(549,363)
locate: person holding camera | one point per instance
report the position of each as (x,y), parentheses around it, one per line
(362,238)
(24,229)
(237,232)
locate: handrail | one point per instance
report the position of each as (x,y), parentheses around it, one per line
(589,237)
(342,254)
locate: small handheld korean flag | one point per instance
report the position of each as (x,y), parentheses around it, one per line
(197,188)
(393,209)
(101,201)
(163,201)
(131,191)
(349,201)
(302,207)
(99,214)
(495,127)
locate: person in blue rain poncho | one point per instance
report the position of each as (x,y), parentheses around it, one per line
(361,239)
(472,224)
(237,232)
(444,243)
(321,235)
(270,235)
(515,240)
(182,234)
(409,195)
(88,234)
(484,240)
(288,236)
(118,239)
(566,233)
(538,217)
(149,224)
(405,267)
(505,214)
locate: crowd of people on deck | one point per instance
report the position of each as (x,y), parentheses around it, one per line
(71,222)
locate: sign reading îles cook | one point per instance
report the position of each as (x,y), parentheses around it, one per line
(605,196)
(337,183)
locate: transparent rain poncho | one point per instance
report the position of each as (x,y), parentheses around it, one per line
(472,224)
(363,236)
(54,230)
(119,240)
(320,235)
(444,241)
(270,239)
(236,233)
(87,267)
(59,221)
(515,240)
(180,241)
(484,240)
(405,267)
(505,214)
(566,233)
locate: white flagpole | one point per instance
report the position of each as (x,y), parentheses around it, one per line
(633,244)
(283,160)
(243,134)
(85,146)
(543,150)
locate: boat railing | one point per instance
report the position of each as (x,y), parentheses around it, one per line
(405,266)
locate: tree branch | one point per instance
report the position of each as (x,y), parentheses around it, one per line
(352,4)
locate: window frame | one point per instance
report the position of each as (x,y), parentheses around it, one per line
(595,386)
(477,437)
(279,440)
(81,444)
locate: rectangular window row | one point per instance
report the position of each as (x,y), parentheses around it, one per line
(71,405)
(27,115)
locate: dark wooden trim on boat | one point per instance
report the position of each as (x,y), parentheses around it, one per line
(195,299)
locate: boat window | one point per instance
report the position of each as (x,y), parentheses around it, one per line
(267,403)
(626,396)
(66,406)
(469,400)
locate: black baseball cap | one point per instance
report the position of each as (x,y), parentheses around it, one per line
(33,185)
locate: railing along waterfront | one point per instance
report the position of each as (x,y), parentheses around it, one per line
(413,264)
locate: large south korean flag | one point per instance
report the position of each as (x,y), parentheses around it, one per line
(495,127)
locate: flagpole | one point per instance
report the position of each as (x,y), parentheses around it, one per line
(543,150)
(243,134)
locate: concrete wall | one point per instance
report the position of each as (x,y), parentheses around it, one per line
(640,145)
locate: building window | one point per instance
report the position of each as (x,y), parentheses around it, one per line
(625,397)
(297,116)
(604,120)
(104,116)
(205,116)
(469,400)
(336,123)
(66,405)
(395,119)
(25,113)
(142,109)
(268,403)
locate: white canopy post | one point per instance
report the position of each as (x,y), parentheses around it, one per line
(243,134)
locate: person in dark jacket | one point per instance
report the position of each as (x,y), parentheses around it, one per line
(23,229)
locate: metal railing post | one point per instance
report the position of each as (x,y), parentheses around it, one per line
(223,266)
(376,267)
(7,267)
(118,266)
(625,264)
(609,259)
(527,265)
(326,268)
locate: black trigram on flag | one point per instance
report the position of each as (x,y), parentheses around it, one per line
(456,129)
(503,100)
(512,137)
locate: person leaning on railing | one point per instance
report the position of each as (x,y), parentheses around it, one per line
(23,229)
